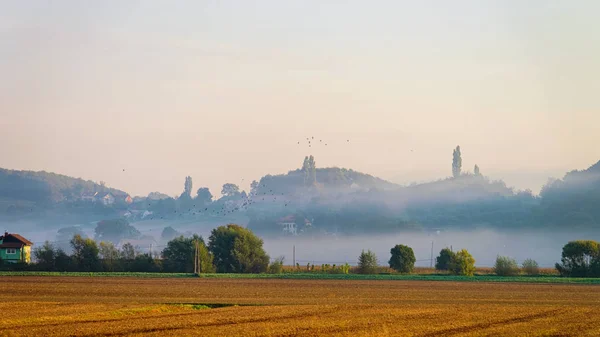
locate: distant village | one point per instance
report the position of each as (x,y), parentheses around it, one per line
(105,198)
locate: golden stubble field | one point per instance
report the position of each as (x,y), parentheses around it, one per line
(107,306)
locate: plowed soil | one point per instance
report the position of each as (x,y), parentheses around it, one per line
(112,306)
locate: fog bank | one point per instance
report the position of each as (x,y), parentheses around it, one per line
(484,245)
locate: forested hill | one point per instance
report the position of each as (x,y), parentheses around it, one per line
(46,188)
(331,199)
(325,179)
(574,200)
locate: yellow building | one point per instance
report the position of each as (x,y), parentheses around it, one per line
(14,248)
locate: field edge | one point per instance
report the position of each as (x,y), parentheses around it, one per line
(318,276)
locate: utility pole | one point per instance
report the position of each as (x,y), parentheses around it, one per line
(294,256)
(431,266)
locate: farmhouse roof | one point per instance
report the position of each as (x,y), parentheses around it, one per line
(14,238)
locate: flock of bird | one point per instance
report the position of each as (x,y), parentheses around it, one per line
(310,141)
(223,210)
(247,201)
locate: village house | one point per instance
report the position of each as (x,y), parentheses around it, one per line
(290,225)
(89,197)
(14,248)
(108,199)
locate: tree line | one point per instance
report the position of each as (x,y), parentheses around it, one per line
(235,249)
(579,258)
(403,260)
(230,249)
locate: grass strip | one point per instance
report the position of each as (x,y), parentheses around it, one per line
(323,276)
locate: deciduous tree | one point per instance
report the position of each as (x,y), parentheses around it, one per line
(444,260)
(237,250)
(403,259)
(203,196)
(85,254)
(463,263)
(115,231)
(230,190)
(580,259)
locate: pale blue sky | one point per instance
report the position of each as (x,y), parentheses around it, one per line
(223,90)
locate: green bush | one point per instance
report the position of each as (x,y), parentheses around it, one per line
(463,264)
(345,268)
(367,263)
(403,259)
(530,267)
(276,267)
(506,266)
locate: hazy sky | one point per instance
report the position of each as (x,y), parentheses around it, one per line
(224,90)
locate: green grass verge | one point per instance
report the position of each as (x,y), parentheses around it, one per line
(414,277)
(318,276)
(95,274)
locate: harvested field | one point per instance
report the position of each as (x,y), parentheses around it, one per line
(114,306)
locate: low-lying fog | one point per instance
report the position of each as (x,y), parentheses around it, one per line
(484,245)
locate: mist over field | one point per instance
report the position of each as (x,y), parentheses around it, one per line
(484,245)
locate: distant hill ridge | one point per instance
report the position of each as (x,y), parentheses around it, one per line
(595,167)
(335,198)
(45,187)
(333,178)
